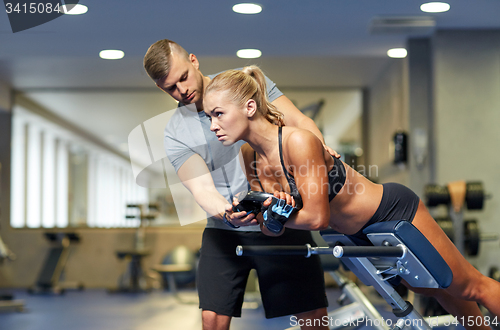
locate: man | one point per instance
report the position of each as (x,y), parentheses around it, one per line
(211,172)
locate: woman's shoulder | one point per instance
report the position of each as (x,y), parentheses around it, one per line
(300,145)
(299,137)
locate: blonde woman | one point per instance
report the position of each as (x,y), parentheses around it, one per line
(292,164)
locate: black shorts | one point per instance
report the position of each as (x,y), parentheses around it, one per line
(288,284)
(398,203)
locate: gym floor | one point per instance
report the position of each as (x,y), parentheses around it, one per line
(96,309)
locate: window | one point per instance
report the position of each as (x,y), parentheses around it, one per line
(61,180)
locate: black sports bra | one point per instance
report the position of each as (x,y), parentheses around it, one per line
(336,176)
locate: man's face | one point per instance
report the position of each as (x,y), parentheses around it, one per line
(184,81)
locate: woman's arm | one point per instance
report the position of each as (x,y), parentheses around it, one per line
(304,154)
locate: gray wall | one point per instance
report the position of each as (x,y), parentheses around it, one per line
(467,118)
(449,89)
(386,114)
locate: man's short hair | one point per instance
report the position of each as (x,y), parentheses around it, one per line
(159,56)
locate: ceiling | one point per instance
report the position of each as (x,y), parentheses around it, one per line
(305,44)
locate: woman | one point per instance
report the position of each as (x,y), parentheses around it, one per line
(293,163)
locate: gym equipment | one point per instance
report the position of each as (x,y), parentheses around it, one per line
(471,234)
(439,195)
(251,202)
(465,234)
(181,255)
(400,140)
(399,249)
(7,301)
(135,279)
(147,212)
(49,278)
(274,219)
(313,109)
(178,268)
(360,309)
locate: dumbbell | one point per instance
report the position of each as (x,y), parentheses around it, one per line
(251,202)
(472,235)
(438,195)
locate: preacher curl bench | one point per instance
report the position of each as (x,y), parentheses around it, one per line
(399,249)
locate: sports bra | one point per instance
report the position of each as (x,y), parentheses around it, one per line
(336,176)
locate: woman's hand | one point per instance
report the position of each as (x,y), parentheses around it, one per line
(279,213)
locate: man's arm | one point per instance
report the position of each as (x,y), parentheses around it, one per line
(196,177)
(295,118)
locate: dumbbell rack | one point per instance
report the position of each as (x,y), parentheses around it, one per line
(464,233)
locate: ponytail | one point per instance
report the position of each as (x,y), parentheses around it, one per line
(249,83)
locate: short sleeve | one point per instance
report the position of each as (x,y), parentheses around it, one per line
(177,152)
(272,90)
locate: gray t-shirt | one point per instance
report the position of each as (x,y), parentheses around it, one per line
(188,133)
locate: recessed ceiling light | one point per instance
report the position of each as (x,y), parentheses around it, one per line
(248,53)
(397,53)
(435,7)
(247,8)
(77,9)
(111,54)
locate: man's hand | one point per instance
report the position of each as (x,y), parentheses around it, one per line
(331,151)
(239,218)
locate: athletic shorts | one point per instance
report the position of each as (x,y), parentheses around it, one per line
(288,284)
(398,203)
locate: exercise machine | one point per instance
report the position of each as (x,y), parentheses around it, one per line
(398,250)
(135,279)
(51,276)
(360,309)
(7,301)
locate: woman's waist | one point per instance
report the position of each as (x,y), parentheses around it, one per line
(352,209)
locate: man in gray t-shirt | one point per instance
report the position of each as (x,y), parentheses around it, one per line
(212,173)
(221,161)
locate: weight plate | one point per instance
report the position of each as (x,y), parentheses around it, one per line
(472,237)
(436,195)
(474,195)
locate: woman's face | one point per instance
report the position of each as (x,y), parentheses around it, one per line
(229,121)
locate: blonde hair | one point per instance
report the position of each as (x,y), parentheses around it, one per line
(249,83)
(158,58)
